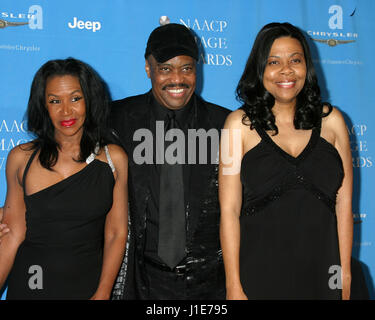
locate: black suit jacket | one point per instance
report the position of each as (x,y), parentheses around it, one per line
(205,272)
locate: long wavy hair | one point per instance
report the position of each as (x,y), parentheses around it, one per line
(97,99)
(258,102)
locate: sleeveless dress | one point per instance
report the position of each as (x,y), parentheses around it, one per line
(61,256)
(289,243)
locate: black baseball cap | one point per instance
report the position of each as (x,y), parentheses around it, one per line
(171,40)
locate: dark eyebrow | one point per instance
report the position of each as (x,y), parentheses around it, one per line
(73,92)
(77,91)
(170,65)
(296,53)
(291,55)
(163,64)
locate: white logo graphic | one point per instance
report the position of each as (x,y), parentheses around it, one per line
(336,21)
(88,25)
(335,35)
(361,149)
(12,133)
(211,36)
(36,19)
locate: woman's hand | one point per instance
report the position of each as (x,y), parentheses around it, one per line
(100,296)
(236,294)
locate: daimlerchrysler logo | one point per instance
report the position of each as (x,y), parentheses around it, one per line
(335,35)
(4,24)
(34,18)
(333,42)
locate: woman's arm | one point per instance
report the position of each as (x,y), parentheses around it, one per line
(14,213)
(230,197)
(116,226)
(3,227)
(336,124)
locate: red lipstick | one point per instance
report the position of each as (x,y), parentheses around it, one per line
(68,123)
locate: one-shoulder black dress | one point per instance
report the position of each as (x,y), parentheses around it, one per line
(289,243)
(61,256)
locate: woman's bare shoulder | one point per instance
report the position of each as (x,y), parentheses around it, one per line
(117,152)
(235,116)
(334,120)
(21,152)
(18,158)
(237,120)
(334,127)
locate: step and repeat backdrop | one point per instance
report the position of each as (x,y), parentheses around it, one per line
(111,36)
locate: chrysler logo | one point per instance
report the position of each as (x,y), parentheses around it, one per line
(333,42)
(4,24)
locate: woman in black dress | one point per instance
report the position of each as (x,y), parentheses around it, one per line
(285,182)
(66,204)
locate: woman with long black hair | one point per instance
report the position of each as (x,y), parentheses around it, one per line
(286,216)
(66,203)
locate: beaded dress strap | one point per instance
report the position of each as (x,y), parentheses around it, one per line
(92,156)
(109,159)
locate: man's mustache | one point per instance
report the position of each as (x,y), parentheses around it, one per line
(176,85)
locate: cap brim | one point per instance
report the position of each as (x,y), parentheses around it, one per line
(164,54)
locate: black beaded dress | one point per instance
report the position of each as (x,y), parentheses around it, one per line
(61,256)
(288,223)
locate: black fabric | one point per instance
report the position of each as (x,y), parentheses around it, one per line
(169,41)
(204,277)
(64,237)
(185,119)
(359,290)
(172,226)
(288,225)
(160,280)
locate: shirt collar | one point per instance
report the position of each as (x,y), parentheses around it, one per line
(182,115)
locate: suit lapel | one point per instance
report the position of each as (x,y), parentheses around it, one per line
(139,118)
(200,174)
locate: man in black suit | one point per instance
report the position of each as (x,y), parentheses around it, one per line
(173,249)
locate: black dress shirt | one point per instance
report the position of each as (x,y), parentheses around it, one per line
(186,120)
